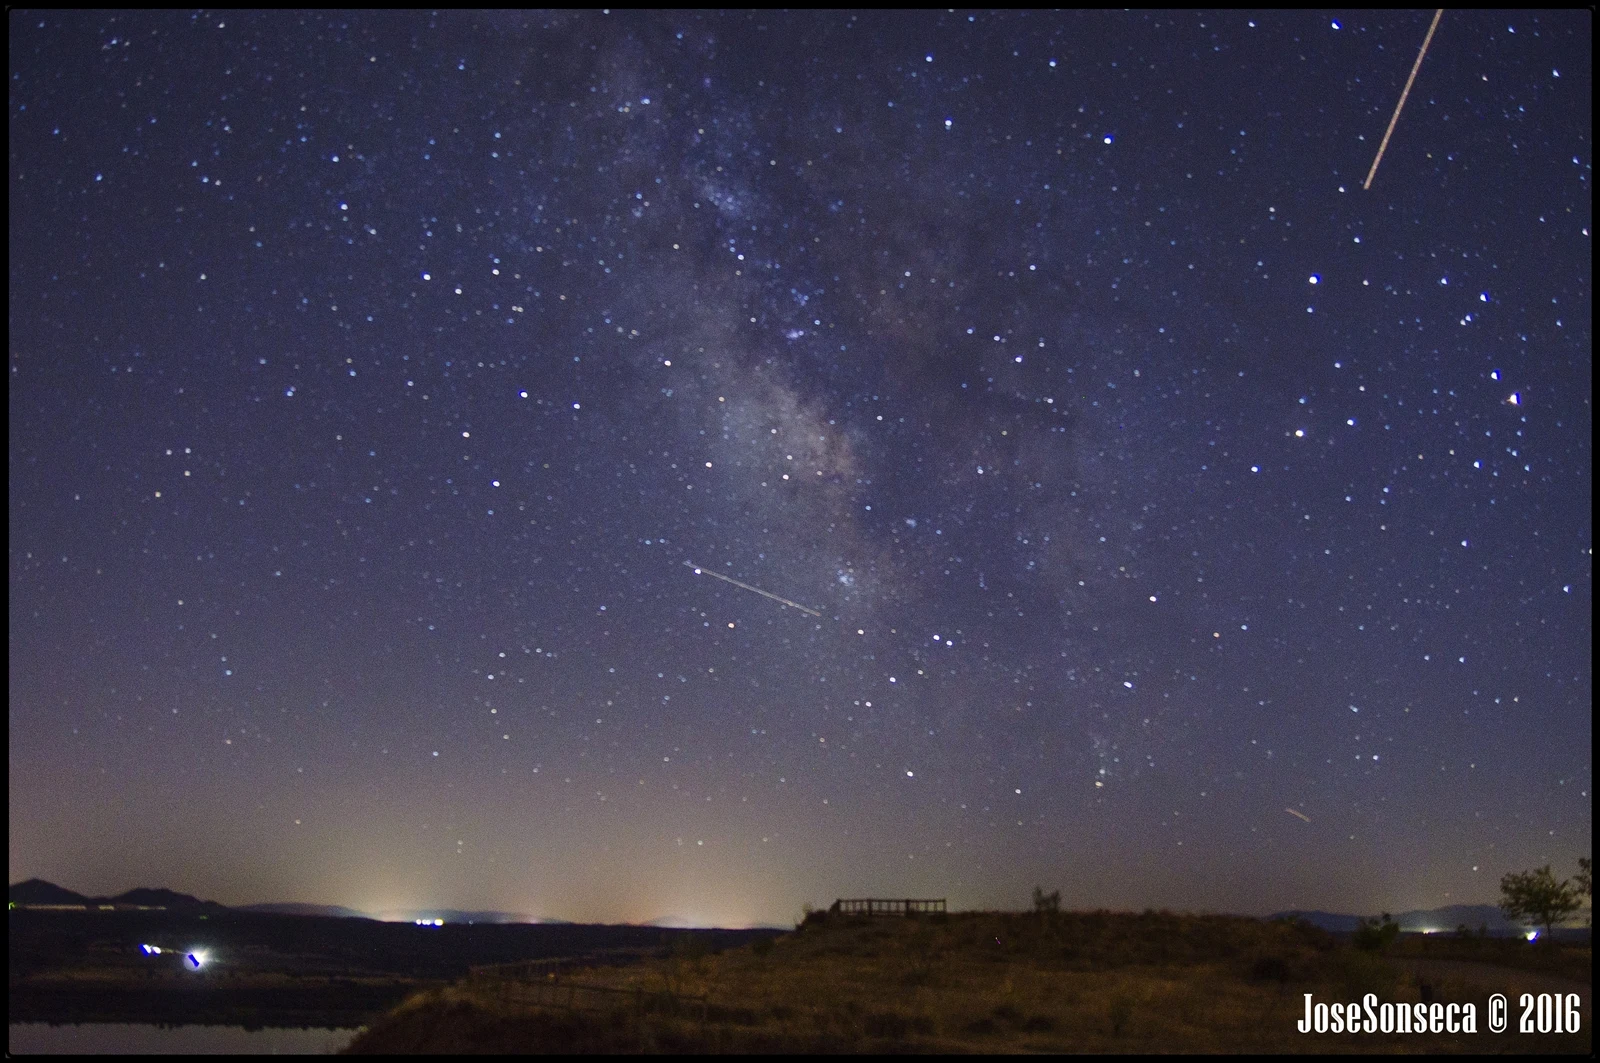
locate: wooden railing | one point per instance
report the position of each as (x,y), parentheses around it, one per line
(886,906)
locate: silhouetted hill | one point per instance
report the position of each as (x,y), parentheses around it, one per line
(1079,982)
(1329,921)
(38,891)
(163,898)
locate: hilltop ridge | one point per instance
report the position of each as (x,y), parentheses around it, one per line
(36,892)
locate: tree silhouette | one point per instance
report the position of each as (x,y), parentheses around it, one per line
(1536,896)
(1584,880)
(1375,935)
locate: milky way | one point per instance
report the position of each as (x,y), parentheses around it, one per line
(375,375)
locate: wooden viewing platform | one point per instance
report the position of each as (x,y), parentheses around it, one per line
(882,906)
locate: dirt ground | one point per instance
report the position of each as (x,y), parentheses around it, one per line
(1490,978)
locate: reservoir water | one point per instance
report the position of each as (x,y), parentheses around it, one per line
(128,1038)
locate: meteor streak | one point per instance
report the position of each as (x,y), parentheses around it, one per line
(745,586)
(1300,815)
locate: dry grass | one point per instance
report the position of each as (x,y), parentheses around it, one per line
(1543,957)
(975,982)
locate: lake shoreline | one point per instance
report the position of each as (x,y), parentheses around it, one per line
(329,1004)
(266,970)
(145,1038)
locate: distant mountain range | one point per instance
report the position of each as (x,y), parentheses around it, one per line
(1447,919)
(291,908)
(38,891)
(455,915)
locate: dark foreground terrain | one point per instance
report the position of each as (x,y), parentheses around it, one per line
(993,982)
(281,970)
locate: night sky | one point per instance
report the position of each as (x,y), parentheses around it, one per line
(1162,517)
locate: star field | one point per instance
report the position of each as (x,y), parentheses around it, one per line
(1184,526)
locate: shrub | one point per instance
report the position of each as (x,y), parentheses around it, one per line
(889,1024)
(1359,973)
(1373,936)
(1007,1013)
(1270,969)
(812,917)
(918,972)
(1120,1012)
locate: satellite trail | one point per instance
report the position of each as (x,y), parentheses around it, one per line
(746,586)
(1301,815)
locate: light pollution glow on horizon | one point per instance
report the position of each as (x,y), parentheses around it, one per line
(1101,490)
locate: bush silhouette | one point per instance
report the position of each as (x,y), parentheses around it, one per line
(1120,1011)
(1270,969)
(1375,936)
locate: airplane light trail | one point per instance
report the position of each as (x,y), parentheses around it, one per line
(1437,15)
(746,586)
